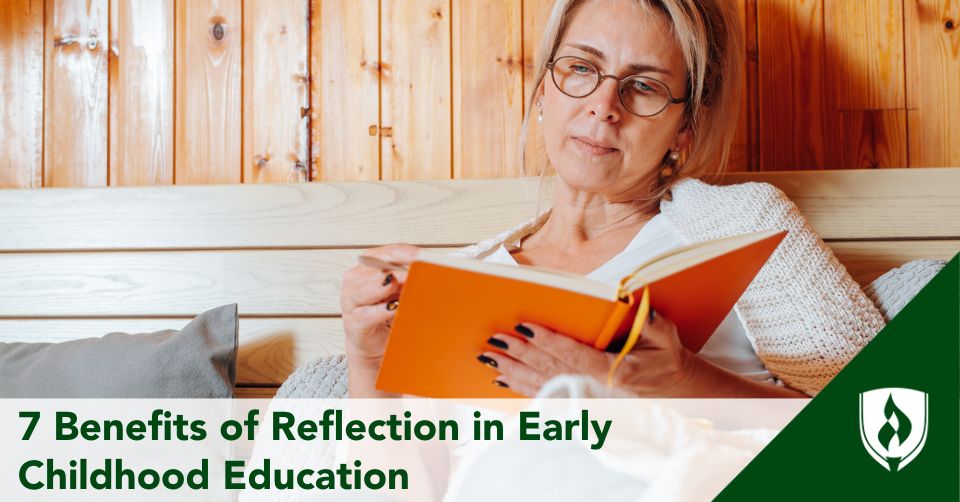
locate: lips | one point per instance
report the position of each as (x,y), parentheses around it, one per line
(594,142)
(593,146)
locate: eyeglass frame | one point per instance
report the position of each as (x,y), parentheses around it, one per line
(602,76)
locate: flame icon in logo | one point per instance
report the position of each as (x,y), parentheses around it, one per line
(900,428)
(886,428)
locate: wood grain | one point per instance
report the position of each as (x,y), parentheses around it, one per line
(262,283)
(415,90)
(740,149)
(141,92)
(255,393)
(933,82)
(889,203)
(536,13)
(21,94)
(345,90)
(487,88)
(208,138)
(863,45)
(790,37)
(872,139)
(868,260)
(864,88)
(276,91)
(183,283)
(264,216)
(269,349)
(75,94)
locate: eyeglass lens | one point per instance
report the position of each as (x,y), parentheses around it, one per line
(578,78)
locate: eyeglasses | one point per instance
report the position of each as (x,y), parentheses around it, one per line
(639,95)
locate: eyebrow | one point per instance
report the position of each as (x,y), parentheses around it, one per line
(636,67)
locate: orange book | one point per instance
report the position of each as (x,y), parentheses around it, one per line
(450,306)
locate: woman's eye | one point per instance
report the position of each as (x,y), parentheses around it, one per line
(642,86)
(580,69)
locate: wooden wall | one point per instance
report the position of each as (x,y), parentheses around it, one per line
(143,92)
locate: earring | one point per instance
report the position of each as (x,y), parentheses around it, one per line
(540,107)
(672,160)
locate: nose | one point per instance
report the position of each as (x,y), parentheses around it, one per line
(605,101)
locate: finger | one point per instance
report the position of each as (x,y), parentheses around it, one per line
(529,354)
(584,358)
(658,332)
(401,254)
(367,317)
(372,287)
(516,375)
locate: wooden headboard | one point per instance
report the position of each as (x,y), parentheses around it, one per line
(83,262)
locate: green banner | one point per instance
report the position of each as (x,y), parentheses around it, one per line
(887,427)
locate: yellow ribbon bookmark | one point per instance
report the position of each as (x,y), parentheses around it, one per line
(638,323)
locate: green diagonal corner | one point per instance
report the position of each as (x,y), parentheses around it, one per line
(820,456)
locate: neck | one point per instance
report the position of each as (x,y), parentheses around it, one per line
(579,216)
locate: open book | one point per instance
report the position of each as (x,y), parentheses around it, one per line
(450,306)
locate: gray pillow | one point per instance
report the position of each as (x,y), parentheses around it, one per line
(199,361)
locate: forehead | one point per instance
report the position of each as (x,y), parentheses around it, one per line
(626,32)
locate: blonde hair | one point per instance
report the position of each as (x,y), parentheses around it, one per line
(709,35)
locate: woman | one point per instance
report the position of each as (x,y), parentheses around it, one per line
(637,98)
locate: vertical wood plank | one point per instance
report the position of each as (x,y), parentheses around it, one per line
(75,93)
(345,90)
(752,67)
(487,87)
(21,94)
(536,13)
(276,84)
(740,149)
(933,81)
(790,39)
(872,139)
(863,44)
(864,88)
(416,88)
(208,92)
(141,92)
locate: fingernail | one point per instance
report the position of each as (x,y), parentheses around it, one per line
(489,361)
(498,383)
(523,330)
(388,279)
(652,314)
(498,343)
(393,305)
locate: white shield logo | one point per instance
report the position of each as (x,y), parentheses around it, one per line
(893,425)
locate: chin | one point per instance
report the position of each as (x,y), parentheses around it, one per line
(586,179)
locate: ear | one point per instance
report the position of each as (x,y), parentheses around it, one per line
(538,96)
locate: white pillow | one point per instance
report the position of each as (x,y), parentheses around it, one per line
(893,290)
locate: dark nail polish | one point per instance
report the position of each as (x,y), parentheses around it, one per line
(496,342)
(388,279)
(393,305)
(498,383)
(523,330)
(489,361)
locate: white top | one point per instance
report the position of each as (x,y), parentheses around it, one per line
(728,347)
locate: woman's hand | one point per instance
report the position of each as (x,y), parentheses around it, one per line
(368,303)
(658,365)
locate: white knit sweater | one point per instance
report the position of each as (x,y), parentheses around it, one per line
(803,312)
